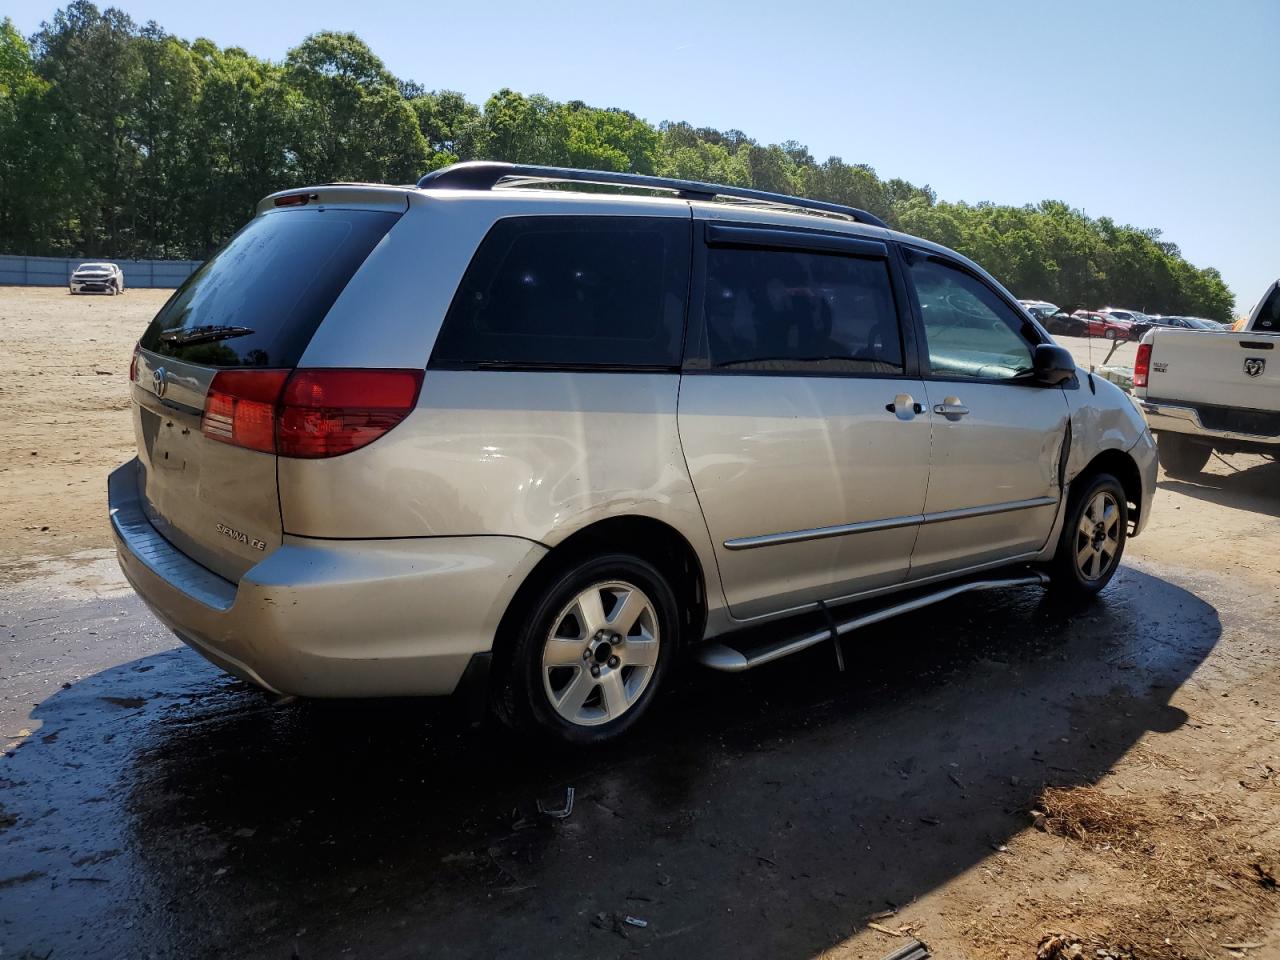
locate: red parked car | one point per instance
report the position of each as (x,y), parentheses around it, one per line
(1102,325)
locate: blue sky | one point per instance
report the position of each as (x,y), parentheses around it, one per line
(1159,114)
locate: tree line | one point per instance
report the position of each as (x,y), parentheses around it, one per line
(125,141)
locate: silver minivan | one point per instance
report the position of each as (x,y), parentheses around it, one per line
(489,435)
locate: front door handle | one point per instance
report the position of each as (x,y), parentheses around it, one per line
(951,408)
(904,406)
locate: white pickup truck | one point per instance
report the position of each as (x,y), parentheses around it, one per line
(1205,391)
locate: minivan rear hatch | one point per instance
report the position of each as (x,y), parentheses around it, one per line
(209,366)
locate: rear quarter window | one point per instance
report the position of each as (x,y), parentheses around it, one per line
(577,292)
(258,300)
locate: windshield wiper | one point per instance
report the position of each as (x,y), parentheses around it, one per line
(205,334)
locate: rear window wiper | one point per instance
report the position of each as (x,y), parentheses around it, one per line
(205,334)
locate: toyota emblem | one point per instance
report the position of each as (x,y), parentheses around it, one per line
(159,381)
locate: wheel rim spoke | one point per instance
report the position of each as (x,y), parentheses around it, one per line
(591,611)
(563,653)
(630,606)
(641,652)
(614,694)
(576,694)
(1110,516)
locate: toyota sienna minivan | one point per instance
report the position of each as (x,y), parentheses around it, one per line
(487,433)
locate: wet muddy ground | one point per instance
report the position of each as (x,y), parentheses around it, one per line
(159,808)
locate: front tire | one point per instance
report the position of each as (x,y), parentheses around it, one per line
(1093,537)
(1180,457)
(589,650)
(1109,334)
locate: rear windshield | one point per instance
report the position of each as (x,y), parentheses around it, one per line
(258,300)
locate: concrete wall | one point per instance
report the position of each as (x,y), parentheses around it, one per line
(56,271)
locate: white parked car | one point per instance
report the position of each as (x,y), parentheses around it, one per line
(97,278)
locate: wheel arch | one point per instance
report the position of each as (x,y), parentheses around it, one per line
(1124,468)
(650,539)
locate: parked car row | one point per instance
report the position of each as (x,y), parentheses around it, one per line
(1110,323)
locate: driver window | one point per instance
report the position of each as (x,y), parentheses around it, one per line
(970,331)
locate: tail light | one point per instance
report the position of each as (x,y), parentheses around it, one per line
(133,366)
(240,408)
(307,413)
(1142,365)
(324,413)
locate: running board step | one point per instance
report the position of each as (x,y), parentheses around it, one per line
(729,659)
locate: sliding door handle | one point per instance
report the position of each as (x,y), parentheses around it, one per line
(951,408)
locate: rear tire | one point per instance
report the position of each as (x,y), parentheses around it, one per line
(589,650)
(1181,457)
(1092,540)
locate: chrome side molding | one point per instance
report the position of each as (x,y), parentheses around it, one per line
(721,656)
(890,523)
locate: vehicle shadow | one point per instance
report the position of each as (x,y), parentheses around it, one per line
(1255,488)
(766,814)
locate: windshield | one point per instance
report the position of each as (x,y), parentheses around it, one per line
(258,300)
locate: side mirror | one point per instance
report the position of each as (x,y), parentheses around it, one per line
(1052,365)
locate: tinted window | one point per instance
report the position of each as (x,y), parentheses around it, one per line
(572,291)
(789,311)
(258,300)
(971,332)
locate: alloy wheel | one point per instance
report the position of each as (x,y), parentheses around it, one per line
(1098,536)
(601,653)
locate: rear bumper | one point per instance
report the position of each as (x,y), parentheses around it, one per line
(330,618)
(1186,420)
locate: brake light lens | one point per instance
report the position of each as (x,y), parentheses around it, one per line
(307,413)
(133,366)
(1142,365)
(240,408)
(325,413)
(292,200)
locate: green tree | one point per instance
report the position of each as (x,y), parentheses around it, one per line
(33,211)
(359,126)
(521,129)
(91,62)
(450,123)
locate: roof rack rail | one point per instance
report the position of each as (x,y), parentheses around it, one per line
(487,174)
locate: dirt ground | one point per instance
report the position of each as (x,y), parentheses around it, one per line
(65,413)
(1148,825)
